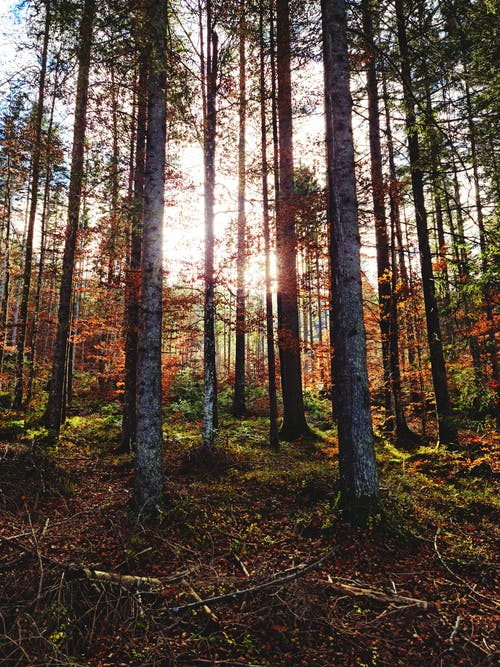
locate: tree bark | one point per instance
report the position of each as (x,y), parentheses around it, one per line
(132,288)
(358,472)
(149,446)
(239,403)
(55,404)
(210,417)
(294,422)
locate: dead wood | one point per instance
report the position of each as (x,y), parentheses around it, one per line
(381,596)
(279,580)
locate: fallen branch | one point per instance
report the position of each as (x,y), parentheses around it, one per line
(205,607)
(294,573)
(123,580)
(374,594)
(74,570)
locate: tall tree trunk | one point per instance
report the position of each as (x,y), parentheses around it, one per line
(399,252)
(114,180)
(32,342)
(294,422)
(446,424)
(55,404)
(5,276)
(210,417)
(437,187)
(35,178)
(239,404)
(488,309)
(358,472)
(386,286)
(377,183)
(129,416)
(271,354)
(149,446)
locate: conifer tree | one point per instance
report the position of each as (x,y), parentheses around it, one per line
(55,405)
(149,445)
(358,473)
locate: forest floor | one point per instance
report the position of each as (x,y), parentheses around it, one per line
(85,581)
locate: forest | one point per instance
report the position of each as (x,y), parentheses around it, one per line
(249,320)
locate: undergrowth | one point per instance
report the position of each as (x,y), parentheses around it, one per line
(229,522)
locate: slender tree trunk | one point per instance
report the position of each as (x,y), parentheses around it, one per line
(129,417)
(488,309)
(55,404)
(389,328)
(271,354)
(239,403)
(294,422)
(28,257)
(210,417)
(358,472)
(32,344)
(115,185)
(434,157)
(446,424)
(5,277)
(149,446)
(383,262)
(274,104)
(399,252)
(318,293)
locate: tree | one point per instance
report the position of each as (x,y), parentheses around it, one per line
(209,89)
(446,424)
(35,178)
(294,422)
(55,404)
(132,291)
(271,355)
(358,472)
(149,446)
(386,293)
(14,178)
(53,158)
(239,405)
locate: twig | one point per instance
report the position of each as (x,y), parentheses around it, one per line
(455,631)
(295,573)
(241,564)
(487,652)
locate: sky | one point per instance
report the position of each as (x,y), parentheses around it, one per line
(12,34)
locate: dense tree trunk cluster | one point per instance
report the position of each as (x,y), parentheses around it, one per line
(355,261)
